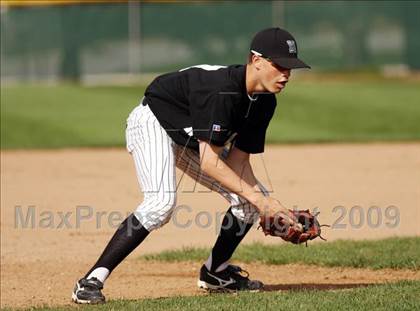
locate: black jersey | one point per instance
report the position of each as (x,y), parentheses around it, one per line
(210,103)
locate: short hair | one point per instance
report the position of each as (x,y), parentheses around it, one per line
(249,61)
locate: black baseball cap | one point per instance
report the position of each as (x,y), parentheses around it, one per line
(279,46)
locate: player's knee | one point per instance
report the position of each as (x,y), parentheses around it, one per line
(166,208)
(157,211)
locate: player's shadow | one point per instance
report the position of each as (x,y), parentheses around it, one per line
(312,286)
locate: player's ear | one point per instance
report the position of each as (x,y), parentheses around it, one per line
(256,61)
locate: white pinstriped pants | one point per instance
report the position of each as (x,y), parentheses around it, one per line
(155,156)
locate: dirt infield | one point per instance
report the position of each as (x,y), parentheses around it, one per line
(45,247)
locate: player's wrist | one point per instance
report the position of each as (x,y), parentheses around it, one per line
(256,198)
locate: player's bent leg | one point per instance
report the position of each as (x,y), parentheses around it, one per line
(154,158)
(127,237)
(217,273)
(152,151)
(244,215)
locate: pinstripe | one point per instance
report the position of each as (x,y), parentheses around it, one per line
(151,160)
(156,200)
(147,143)
(193,159)
(158,161)
(189,163)
(195,163)
(152,156)
(190,168)
(172,175)
(164,192)
(139,169)
(155,157)
(168,189)
(144,169)
(140,144)
(158,188)
(155,188)
(160,177)
(134,140)
(213,183)
(210,182)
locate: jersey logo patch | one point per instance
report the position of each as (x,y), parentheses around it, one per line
(216,128)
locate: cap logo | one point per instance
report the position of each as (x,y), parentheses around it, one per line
(217,128)
(292,46)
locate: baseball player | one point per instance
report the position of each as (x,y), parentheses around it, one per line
(206,120)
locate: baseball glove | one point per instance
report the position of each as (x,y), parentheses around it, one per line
(277,226)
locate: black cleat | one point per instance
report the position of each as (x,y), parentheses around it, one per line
(88,291)
(229,279)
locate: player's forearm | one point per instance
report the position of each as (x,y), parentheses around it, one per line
(239,162)
(232,180)
(243,169)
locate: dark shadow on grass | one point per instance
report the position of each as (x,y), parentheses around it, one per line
(312,286)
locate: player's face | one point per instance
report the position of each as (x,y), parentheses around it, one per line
(273,77)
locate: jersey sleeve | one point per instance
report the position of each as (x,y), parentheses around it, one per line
(212,118)
(251,140)
(251,136)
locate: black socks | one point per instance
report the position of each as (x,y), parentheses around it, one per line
(127,237)
(231,234)
(131,233)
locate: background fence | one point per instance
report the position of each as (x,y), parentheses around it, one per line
(73,42)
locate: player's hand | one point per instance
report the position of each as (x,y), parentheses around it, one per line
(271,208)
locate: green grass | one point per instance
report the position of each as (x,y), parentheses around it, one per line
(308,111)
(396,253)
(65,116)
(392,296)
(345,111)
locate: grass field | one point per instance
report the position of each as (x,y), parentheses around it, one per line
(395,253)
(308,111)
(394,296)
